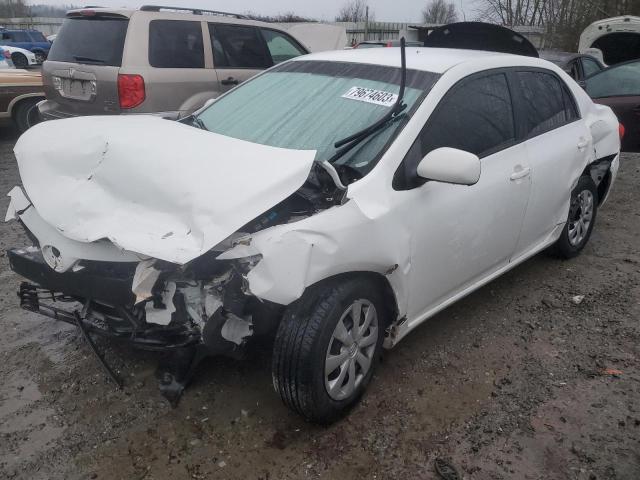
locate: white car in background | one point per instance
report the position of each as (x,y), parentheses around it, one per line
(337,198)
(20,57)
(5,59)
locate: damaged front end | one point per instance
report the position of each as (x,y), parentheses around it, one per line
(159,285)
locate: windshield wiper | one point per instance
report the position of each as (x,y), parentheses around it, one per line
(198,123)
(347,144)
(87,59)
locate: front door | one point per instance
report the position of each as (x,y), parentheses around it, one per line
(461,234)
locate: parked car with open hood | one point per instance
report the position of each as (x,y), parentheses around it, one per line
(20,91)
(618,87)
(578,66)
(339,199)
(163,60)
(618,38)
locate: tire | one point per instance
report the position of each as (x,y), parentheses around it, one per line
(582,217)
(26,114)
(19,60)
(40,56)
(308,336)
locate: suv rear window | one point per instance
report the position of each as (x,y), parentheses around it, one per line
(92,40)
(175,44)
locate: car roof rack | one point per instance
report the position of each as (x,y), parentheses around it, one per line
(195,11)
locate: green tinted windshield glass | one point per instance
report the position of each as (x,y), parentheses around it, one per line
(311,105)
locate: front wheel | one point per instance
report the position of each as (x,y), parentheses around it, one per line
(327,346)
(582,217)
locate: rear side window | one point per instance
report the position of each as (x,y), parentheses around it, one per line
(544,103)
(90,40)
(237,46)
(175,44)
(281,46)
(17,36)
(476,116)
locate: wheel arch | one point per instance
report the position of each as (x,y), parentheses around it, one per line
(381,281)
(18,100)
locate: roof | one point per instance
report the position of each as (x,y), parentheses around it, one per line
(436,60)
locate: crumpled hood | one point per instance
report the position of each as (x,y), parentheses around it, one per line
(152,186)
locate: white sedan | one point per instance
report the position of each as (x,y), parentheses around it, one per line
(338,199)
(20,57)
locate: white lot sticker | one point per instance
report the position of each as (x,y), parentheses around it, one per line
(369,95)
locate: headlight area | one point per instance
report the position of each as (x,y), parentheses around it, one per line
(189,312)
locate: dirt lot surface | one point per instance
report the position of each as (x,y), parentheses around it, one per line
(520,380)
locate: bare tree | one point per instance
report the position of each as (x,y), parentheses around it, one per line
(439,12)
(13,8)
(354,11)
(562,20)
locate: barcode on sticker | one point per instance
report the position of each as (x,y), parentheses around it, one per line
(369,95)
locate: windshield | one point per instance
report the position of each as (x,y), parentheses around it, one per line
(90,40)
(309,105)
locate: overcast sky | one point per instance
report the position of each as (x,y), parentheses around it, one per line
(385,10)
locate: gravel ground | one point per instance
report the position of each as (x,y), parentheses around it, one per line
(517,381)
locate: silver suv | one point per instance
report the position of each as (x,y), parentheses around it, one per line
(162,60)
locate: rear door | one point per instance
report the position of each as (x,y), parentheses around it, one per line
(81,73)
(557,143)
(239,53)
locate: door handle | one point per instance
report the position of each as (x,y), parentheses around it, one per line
(582,145)
(230,81)
(517,175)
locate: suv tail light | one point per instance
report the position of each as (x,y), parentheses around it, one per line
(621,131)
(130,90)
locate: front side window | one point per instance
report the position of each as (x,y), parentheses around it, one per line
(280,46)
(238,46)
(309,105)
(476,116)
(37,36)
(590,67)
(175,44)
(543,102)
(618,81)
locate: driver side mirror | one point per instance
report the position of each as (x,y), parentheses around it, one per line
(450,165)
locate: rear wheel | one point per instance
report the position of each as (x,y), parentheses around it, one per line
(582,217)
(26,114)
(327,346)
(40,56)
(19,60)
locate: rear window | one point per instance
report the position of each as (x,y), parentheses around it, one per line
(175,44)
(91,40)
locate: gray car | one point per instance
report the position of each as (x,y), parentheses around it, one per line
(162,60)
